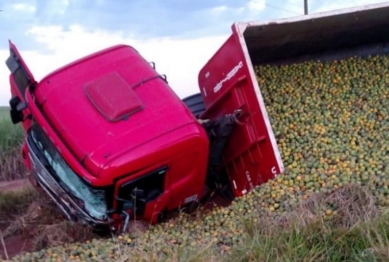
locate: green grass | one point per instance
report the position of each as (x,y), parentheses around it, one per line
(10,135)
(4,112)
(16,202)
(11,138)
(318,241)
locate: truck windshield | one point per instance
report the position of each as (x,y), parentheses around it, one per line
(93,199)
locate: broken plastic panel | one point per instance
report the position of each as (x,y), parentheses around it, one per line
(93,199)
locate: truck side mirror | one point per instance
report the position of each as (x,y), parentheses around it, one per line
(16,116)
(17,106)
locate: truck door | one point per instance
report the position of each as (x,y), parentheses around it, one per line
(20,80)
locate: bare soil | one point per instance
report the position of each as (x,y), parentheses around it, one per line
(15,245)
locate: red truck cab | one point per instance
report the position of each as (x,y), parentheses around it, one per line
(107,138)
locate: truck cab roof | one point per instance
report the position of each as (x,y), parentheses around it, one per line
(113,103)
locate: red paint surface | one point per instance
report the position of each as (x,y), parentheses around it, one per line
(249,157)
(103,152)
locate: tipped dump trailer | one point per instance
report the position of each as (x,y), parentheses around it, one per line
(109,141)
(229,80)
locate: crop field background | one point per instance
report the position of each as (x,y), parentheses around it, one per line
(28,220)
(4,112)
(11,137)
(331,121)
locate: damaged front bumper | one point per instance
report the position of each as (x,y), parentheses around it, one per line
(67,203)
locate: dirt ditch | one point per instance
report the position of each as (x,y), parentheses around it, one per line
(41,225)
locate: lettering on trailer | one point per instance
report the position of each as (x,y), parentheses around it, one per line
(204,91)
(248,176)
(274,171)
(244,191)
(228,77)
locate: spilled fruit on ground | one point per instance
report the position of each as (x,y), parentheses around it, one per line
(331,122)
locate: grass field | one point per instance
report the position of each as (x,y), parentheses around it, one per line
(11,137)
(4,112)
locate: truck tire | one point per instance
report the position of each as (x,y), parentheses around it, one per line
(195,104)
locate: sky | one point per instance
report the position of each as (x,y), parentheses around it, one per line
(180,36)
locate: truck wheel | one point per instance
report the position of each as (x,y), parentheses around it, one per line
(195,104)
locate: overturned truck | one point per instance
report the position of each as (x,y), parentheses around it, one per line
(109,141)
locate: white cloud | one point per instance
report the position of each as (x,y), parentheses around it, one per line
(55,8)
(218,10)
(256,5)
(329,6)
(65,2)
(180,60)
(24,7)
